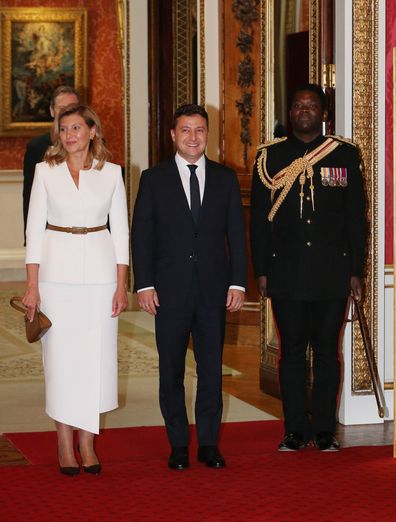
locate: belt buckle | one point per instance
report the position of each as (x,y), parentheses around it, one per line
(79,230)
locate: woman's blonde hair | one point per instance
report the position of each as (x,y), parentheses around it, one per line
(97,149)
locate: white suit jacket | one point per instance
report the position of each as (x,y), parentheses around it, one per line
(77,259)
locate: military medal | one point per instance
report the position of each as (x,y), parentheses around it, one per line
(343,177)
(334,176)
(325,175)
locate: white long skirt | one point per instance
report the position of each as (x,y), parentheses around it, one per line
(79,353)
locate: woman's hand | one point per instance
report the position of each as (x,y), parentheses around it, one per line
(120,301)
(31,300)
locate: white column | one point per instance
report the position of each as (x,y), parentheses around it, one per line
(139,89)
(212,75)
(361,409)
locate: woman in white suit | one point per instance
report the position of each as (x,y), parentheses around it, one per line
(76,273)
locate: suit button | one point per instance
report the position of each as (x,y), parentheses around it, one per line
(196,234)
(309,243)
(273,254)
(344,254)
(308,221)
(308,198)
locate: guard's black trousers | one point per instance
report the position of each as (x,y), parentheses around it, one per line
(321,324)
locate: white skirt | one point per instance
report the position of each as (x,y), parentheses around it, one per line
(79,353)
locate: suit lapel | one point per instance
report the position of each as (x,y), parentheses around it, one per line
(176,183)
(209,184)
(180,196)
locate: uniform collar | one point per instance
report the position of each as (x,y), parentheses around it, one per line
(310,145)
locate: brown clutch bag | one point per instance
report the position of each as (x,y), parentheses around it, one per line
(40,324)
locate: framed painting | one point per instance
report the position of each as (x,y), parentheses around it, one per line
(41,48)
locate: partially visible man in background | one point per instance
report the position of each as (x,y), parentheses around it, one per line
(36,148)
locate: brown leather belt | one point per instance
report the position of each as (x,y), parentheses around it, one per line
(76,230)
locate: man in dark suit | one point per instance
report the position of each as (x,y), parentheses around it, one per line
(189,258)
(308,235)
(36,148)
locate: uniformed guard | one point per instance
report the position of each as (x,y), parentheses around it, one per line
(308,237)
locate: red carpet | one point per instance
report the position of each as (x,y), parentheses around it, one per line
(259,483)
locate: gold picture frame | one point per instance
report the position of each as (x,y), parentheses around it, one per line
(40,49)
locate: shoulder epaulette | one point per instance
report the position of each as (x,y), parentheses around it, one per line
(271,142)
(348,141)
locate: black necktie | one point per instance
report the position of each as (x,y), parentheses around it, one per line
(195,199)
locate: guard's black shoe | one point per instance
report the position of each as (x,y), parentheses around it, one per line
(292,441)
(326,441)
(211,456)
(178,458)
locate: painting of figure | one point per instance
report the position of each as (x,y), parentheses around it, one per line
(41,49)
(42,58)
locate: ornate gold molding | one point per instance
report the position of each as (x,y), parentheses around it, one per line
(183,63)
(120,6)
(267,67)
(128,122)
(365,134)
(202,51)
(314,48)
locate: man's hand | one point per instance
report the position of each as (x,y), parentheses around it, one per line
(148,301)
(235,299)
(262,286)
(357,288)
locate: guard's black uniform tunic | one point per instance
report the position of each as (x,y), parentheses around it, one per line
(309,262)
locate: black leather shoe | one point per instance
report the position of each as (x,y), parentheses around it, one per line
(211,456)
(178,458)
(326,441)
(292,441)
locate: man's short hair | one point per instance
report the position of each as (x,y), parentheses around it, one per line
(189,109)
(63,89)
(312,87)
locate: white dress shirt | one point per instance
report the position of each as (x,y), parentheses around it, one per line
(185,174)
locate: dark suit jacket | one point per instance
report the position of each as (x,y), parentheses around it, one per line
(167,247)
(35,151)
(312,258)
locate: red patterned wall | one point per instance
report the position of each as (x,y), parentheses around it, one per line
(390,44)
(104,76)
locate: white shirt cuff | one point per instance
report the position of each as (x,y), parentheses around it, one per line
(145,288)
(235,287)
